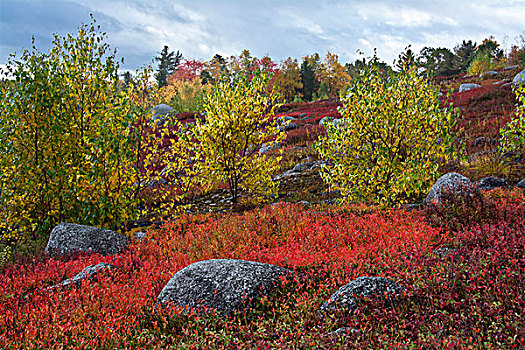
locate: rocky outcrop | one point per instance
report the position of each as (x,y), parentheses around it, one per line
(66,237)
(226,285)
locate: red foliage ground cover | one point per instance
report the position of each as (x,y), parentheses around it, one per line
(470,300)
(483,112)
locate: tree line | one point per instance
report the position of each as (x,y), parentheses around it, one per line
(317,77)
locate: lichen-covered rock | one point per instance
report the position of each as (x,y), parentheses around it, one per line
(160,113)
(467,87)
(267,148)
(287,126)
(451,181)
(66,237)
(491,182)
(488,74)
(519,78)
(225,285)
(347,297)
(89,272)
(325,120)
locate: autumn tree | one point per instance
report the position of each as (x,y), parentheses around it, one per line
(288,79)
(66,148)
(391,139)
(239,119)
(214,69)
(333,75)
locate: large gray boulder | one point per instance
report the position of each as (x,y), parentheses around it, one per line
(66,237)
(160,113)
(450,181)
(467,87)
(225,285)
(519,78)
(347,297)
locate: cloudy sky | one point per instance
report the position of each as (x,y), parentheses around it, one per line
(279,28)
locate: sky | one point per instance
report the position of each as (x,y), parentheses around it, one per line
(199,29)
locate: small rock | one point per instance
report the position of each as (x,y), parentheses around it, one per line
(89,272)
(139,235)
(325,120)
(347,297)
(160,113)
(452,181)
(343,332)
(482,141)
(288,127)
(467,87)
(519,78)
(284,119)
(445,252)
(267,148)
(491,182)
(488,74)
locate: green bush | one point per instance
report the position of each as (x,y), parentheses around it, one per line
(392,139)
(513,134)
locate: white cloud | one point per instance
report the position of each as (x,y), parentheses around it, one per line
(400,16)
(202,28)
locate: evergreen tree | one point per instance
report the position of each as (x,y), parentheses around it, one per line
(464,54)
(128,78)
(308,80)
(406,59)
(355,69)
(491,46)
(168,62)
(436,62)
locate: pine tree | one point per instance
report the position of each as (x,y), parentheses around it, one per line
(436,62)
(406,59)
(168,62)
(464,54)
(308,80)
(128,78)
